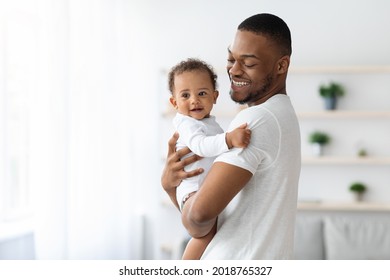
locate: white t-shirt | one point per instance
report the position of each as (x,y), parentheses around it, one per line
(259,222)
(205,138)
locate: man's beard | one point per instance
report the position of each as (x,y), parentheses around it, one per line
(256,95)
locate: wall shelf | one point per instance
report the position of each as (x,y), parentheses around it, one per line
(343,206)
(342,69)
(326,160)
(336,114)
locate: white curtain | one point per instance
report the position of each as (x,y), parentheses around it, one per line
(92,131)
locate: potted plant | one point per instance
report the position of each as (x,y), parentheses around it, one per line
(358,189)
(330,93)
(318,139)
(362,152)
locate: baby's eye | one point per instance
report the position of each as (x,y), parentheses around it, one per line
(202,93)
(185,95)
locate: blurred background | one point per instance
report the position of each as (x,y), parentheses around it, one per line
(85,118)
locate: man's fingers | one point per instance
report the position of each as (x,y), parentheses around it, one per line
(189,160)
(193,173)
(183,152)
(172,143)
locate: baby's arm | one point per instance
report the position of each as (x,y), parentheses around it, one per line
(193,135)
(239,137)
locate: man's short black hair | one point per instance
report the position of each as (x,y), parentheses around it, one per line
(272,27)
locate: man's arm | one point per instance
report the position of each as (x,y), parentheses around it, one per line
(222,184)
(173,172)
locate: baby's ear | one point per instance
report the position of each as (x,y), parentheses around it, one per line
(173,102)
(216,94)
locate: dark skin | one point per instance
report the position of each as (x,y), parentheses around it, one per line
(258,71)
(173,172)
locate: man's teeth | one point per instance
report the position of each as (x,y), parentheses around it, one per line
(240,84)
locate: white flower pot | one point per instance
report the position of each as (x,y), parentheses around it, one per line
(358,196)
(317,149)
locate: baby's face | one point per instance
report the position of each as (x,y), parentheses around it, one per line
(194,94)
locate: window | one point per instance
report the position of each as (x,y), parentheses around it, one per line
(18,52)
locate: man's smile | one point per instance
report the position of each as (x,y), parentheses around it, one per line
(240,84)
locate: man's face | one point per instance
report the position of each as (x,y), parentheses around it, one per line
(252,67)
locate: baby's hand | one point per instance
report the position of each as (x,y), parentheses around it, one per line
(239,137)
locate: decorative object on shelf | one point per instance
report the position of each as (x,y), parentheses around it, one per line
(318,139)
(358,189)
(362,152)
(331,93)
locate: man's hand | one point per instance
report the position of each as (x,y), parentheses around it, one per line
(173,172)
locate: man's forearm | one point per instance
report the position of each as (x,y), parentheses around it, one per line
(222,184)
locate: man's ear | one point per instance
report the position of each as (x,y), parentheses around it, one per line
(216,94)
(173,102)
(283,64)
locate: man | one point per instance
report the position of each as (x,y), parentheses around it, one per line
(252,191)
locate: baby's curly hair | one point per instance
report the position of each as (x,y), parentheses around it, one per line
(191,64)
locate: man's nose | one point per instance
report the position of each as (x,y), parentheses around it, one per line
(235,69)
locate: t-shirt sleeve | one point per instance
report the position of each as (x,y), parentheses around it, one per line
(264,144)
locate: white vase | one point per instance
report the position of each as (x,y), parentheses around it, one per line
(317,149)
(358,196)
